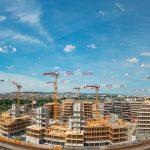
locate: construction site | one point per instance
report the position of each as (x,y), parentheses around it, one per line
(72,123)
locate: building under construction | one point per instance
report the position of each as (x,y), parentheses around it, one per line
(35,133)
(13,124)
(121,108)
(135,105)
(67,109)
(50,108)
(143,122)
(79,130)
(89,132)
(72,123)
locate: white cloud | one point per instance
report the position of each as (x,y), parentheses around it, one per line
(145,65)
(28,83)
(32,18)
(126,74)
(2,50)
(14,50)
(2,18)
(34,74)
(19,37)
(26,38)
(93,46)
(56,68)
(120,7)
(101,13)
(132,60)
(69,48)
(8,48)
(147,77)
(29,14)
(10,67)
(77,72)
(114,60)
(145,54)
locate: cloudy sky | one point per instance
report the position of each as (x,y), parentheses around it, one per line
(88,42)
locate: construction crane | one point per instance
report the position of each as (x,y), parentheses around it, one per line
(96,87)
(55,82)
(18,93)
(78,91)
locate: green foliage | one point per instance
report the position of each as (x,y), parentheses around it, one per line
(6,104)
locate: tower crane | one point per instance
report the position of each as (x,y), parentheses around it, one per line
(78,91)
(96,87)
(55,82)
(18,93)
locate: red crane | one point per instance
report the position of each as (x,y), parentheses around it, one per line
(18,93)
(78,91)
(96,87)
(55,82)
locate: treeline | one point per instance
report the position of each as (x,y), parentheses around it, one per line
(6,104)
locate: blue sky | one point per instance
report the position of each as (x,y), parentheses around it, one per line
(109,38)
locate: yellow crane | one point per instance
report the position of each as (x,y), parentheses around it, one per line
(55,82)
(96,87)
(18,93)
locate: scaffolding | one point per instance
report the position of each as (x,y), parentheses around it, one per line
(55,135)
(10,126)
(50,108)
(87,109)
(95,132)
(35,134)
(74,138)
(67,106)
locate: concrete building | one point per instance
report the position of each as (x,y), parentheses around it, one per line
(143,122)
(67,106)
(86,132)
(77,117)
(126,111)
(50,108)
(117,108)
(15,111)
(87,108)
(108,108)
(121,108)
(35,133)
(13,124)
(135,105)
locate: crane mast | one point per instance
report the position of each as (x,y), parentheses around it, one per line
(96,87)
(18,93)
(55,82)
(78,91)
